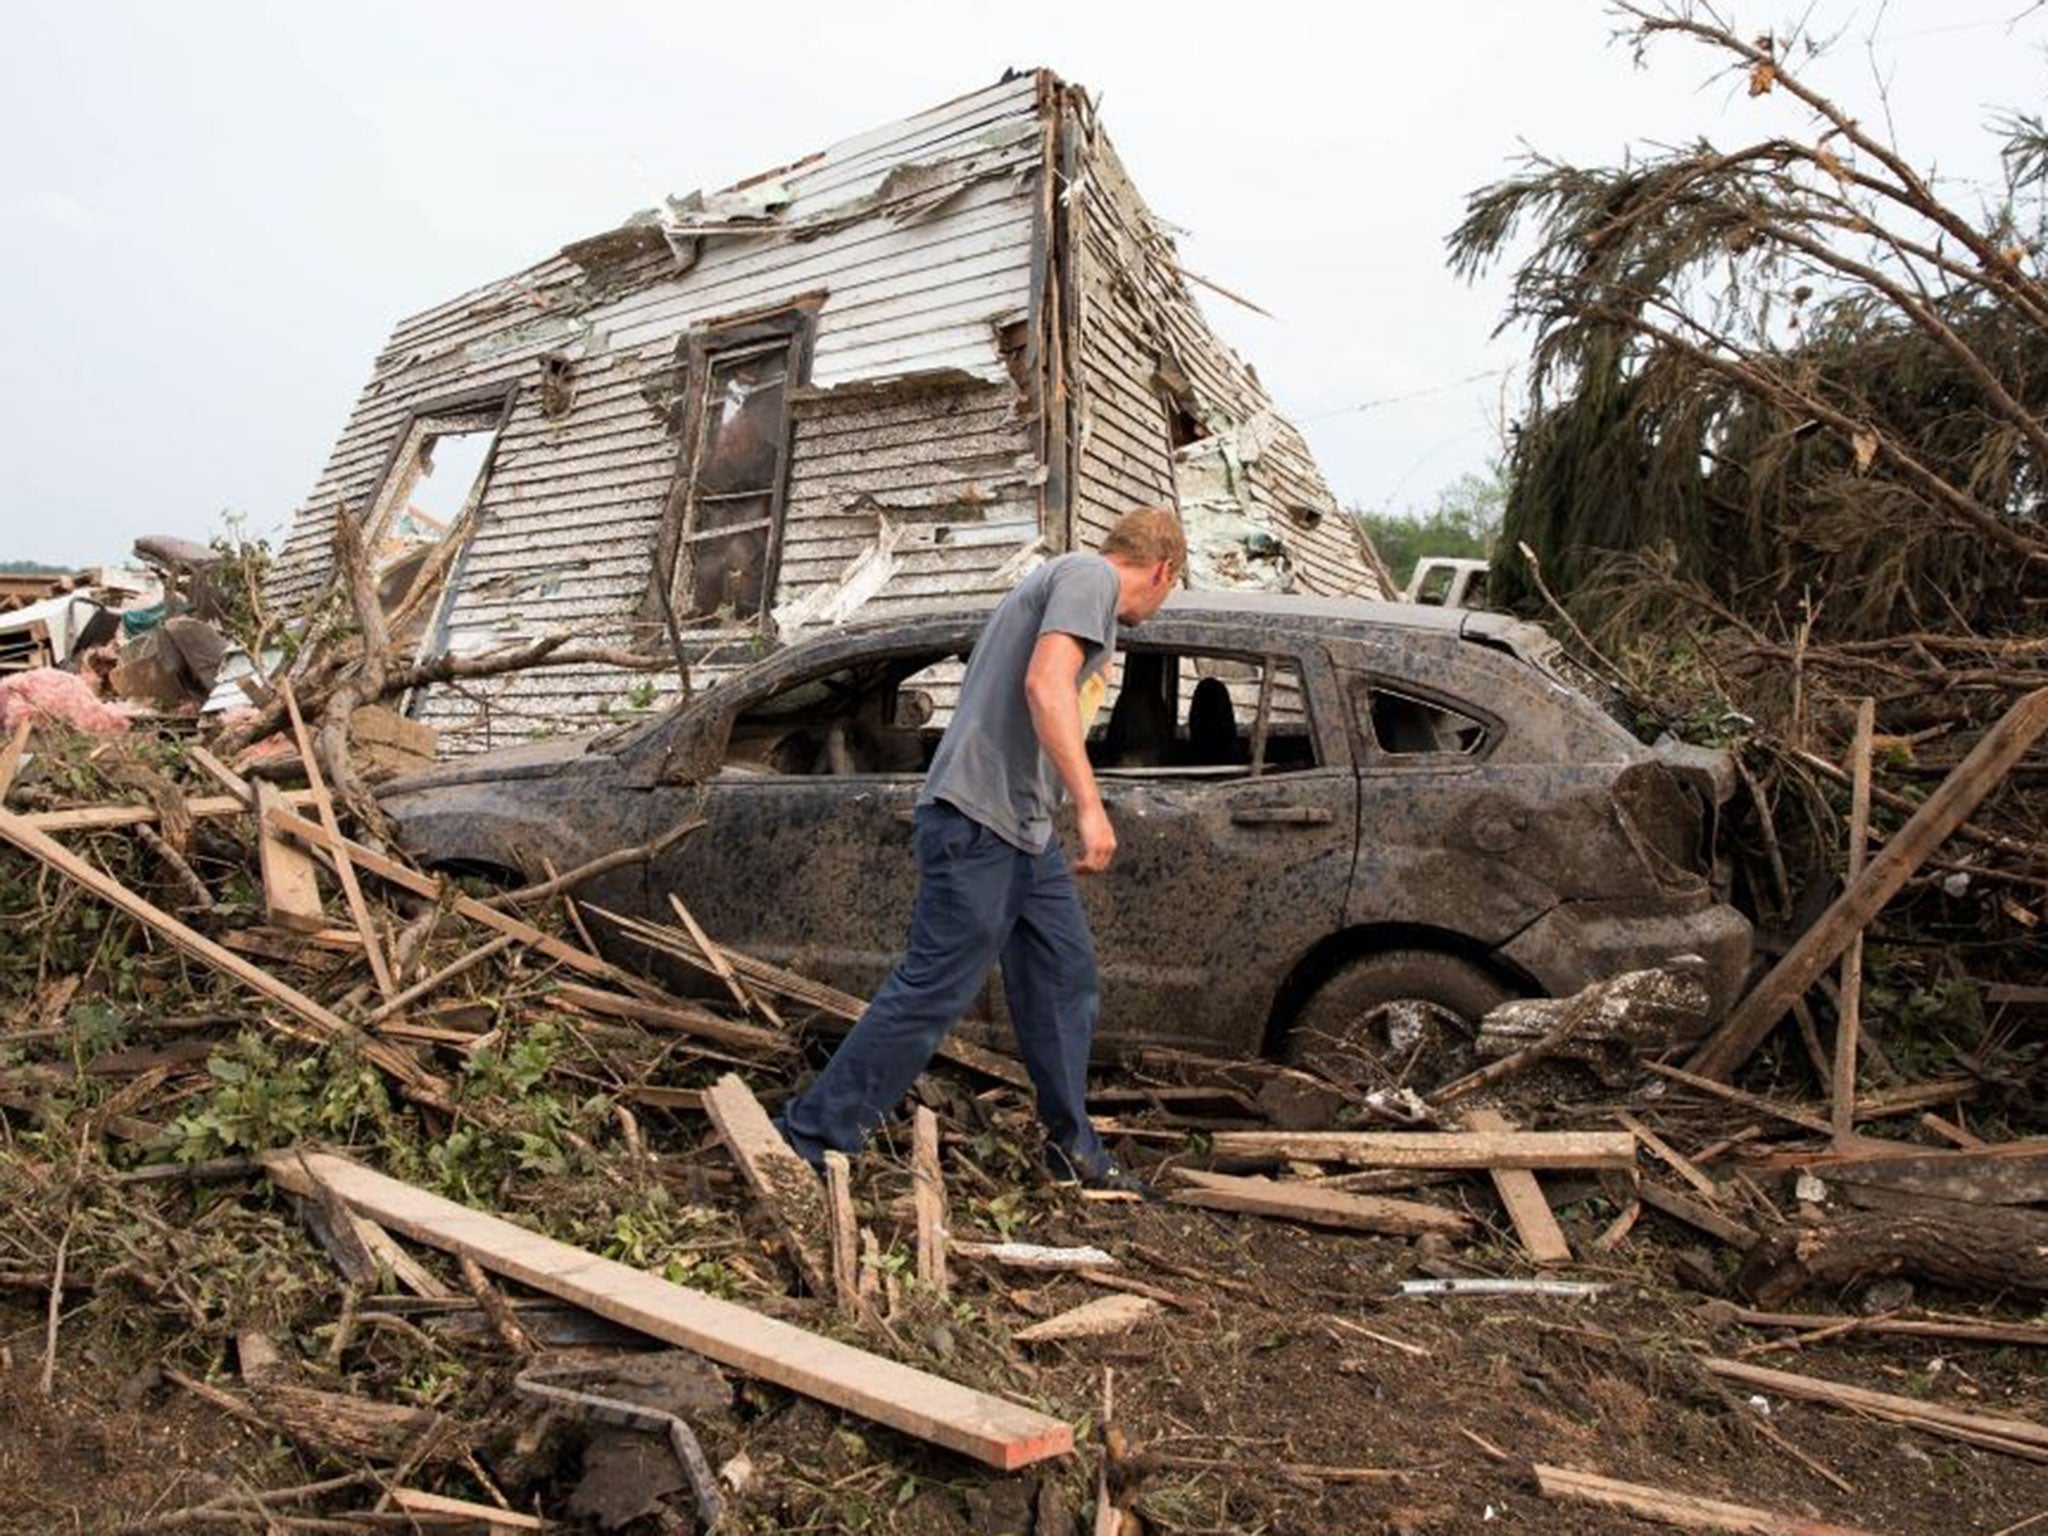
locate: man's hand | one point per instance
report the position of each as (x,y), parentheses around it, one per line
(1098,842)
(1052,691)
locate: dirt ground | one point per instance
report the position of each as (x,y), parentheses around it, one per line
(1254,1409)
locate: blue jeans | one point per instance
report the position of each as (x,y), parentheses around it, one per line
(980,900)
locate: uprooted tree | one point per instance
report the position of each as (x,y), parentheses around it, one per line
(1784,447)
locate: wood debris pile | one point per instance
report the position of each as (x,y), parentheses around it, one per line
(405,1175)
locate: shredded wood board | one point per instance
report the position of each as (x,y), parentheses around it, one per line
(1318,1207)
(989,1429)
(1439,1149)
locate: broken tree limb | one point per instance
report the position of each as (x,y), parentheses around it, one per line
(1438,1149)
(1685,1510)
(1998,1432)
(1974,1247)
(976,1424)
(603,864)
(928,1191)
(344,870)
(1535,1223)
(780,1179)
(1849,1013)
(1821,945)
(1317,1206)
(321,1025)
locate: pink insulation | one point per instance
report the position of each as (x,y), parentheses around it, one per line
(48,696)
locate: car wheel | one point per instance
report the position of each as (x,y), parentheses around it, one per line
(1405,1018)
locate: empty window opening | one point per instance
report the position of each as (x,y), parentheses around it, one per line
(1202,715)
(424,510)
(1406,726)
(719,550)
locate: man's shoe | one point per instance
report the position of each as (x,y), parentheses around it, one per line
(1097,1179)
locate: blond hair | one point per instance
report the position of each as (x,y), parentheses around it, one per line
(1145,536)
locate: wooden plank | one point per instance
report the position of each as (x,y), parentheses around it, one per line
(845,1234)
(1317,1206)
(351,889)
(109,818)
(1961,1330)
(1035,1255)
(1438,1149)
(987,1428)
(2014,1174)
(10,755)
(1092,1319)
(928,1193)
(2020,1437)
(222,775)
(435,1510)
(291,887)
(779,1178)
(1683,1510)
(1682,1166)
(1790,1114)
(322,1025)
(679,1017)
(1535,1223)
(722,967)
(1821,945)
(1849,1022)
(1694,1214)
(405,1269)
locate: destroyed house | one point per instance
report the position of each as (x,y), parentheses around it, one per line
(895,374)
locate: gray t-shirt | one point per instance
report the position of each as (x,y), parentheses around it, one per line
(989,766)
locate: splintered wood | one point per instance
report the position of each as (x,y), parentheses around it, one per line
(1683,1510)
(781,1180)
(1317,1207)
(1534,1223)
(1092,1319)
(928,1189)
(990,1429)
(1439,1149)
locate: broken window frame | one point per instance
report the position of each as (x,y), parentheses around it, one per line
(487,408)
(791,328)
(1376,758)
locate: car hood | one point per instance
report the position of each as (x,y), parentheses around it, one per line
(534,760)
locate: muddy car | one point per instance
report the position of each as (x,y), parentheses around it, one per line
(1345,830)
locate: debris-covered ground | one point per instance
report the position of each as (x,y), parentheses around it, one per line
(189,1345)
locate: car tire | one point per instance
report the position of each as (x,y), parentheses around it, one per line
(1400,1018)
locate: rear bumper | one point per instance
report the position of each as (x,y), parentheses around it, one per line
(1580,942)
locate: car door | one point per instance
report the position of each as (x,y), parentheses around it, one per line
(804,858)
(1235,841)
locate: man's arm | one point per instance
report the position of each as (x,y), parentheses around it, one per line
(1052,689)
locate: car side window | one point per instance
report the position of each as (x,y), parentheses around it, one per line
(1406,725)
(1203,715)
(868,717)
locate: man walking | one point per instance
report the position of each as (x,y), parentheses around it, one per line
(993,885)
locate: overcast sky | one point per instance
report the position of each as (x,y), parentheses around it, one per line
(213,214)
